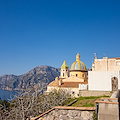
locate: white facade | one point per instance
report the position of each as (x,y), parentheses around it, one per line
(119,80)
(83,86)
(101,80)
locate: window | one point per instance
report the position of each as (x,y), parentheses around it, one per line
(118,62)
(63,74)
(73,92)
(83,75)
(76,75)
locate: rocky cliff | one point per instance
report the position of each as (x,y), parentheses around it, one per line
(41,75)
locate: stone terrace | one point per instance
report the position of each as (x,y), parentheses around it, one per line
(67,113)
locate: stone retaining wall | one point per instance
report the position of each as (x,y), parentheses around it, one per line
(67,113)
(95,93)
(108,109)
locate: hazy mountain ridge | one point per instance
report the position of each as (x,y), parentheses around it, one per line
(41,75)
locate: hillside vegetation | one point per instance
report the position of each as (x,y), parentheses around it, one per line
(29,103)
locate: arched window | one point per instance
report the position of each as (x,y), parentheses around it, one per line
(63,74)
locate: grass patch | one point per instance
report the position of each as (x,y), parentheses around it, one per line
(87,101)
(88,105)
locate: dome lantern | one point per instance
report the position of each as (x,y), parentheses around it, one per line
(77,57)
(78,65)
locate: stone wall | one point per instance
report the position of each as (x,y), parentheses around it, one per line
(67,113)
(108,109)
(95,93)
(70,90)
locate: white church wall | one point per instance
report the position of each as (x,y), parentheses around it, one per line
(119,80)
(101,80)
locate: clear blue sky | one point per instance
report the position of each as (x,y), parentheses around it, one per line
(45,32)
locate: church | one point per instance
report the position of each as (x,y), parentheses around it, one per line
(103,78)
(74,80)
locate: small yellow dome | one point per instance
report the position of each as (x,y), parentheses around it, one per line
(78,65)
(56,78)
(64,65)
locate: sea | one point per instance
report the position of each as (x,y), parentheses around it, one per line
(7,95)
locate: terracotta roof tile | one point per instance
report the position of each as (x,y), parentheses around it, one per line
(54,83)
(66,84)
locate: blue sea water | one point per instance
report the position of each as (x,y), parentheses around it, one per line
(6,94)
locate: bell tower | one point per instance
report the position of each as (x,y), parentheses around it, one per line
(64,70)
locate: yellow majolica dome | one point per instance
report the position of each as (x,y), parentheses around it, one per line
(78,65)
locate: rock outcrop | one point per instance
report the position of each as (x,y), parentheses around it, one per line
(41,75)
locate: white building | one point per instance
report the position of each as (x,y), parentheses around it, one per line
(105,75)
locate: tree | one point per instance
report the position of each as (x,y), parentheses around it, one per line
(4,109)
(54,98)
(25,104)
(30,103)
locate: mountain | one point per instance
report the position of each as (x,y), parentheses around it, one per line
(41,75)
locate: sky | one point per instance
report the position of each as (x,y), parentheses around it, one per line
(47,32)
